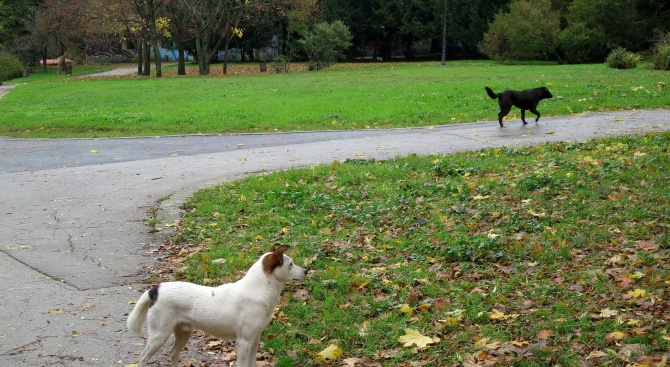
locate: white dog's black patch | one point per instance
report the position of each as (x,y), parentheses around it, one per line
(153,293)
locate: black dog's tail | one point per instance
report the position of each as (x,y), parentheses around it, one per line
(491,94)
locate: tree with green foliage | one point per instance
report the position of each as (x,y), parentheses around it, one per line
(527,32)
(326,43)
(295,19)
(259,24)
(467,21)
(14,16)
(384,26)
(653,16)
(1,20)
(418,21)
(595,27)
(374,24)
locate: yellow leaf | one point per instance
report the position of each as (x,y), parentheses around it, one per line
(406,309)
(365,283)
(131,365)
(496,315)
(332,352)
(94,151)
(616,335)
(639,293)
(479,197)
(451,321)
(533,213)
(414,338)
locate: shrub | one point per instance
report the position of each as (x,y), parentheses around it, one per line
(10,67)
(620,58)
(280,64)
(580,43)
(662,58)
(326,43)
(662,54)
(527,32)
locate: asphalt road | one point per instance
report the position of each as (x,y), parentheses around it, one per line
(73,239)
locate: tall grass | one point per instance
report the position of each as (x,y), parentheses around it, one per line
(349,96)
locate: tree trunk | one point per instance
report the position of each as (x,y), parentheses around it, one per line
(228,37)
(181,68)
(157,57)
(44,59)
(252,57)
(181,59)
(201,45)
(61,62)
(140,56)
(147,58)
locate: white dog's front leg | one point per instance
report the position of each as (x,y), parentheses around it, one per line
(246,352)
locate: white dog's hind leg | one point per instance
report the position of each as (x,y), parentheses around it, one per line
(182,333)
(155,341)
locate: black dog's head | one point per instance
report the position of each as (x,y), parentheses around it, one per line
(545,93)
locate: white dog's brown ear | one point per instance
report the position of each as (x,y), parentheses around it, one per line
(275,259)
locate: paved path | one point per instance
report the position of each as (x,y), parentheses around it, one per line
(5,88)
(116,72)
(73,238)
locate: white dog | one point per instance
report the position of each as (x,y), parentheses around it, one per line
(237,311)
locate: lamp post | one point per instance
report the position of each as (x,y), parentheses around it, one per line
(444,35)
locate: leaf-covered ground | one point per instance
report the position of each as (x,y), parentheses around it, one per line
(553,255)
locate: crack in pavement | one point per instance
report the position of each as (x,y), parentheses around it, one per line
(84,216)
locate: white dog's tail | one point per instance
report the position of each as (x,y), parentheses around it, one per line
(138,317)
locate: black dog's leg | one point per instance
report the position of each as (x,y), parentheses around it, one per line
(504,110)
(523,116)
(536,114)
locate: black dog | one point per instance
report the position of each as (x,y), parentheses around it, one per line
(525,100)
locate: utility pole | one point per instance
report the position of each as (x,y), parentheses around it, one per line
(444,35)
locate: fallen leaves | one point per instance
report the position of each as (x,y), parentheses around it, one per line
(541,256)
(331,352)
(414,338)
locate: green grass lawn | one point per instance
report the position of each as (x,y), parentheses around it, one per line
(553,255)
(349,96)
